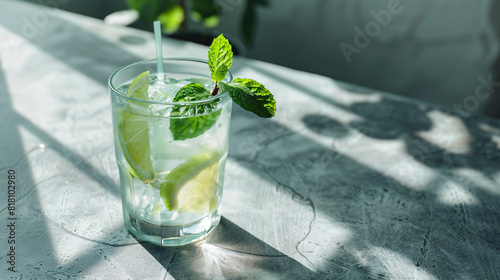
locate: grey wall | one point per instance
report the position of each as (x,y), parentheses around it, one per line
(439,51)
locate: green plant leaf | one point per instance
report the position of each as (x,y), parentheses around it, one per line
(211,21)
(191,121)
(149,10)
(205,11)
(206,8)
(251,96)
(220,58)
(171,19)
(137,4)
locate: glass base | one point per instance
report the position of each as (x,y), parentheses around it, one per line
(171,235)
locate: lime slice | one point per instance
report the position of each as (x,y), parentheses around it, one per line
(139,86)
(193,185)
(133,133)
(198,193)
(157,207)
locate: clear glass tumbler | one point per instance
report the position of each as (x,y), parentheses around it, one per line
(171,155)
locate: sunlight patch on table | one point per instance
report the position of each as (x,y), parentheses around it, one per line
(488,128)
(10,43)
(389,158)
(254,200)
(293,226)
(395,265)
(448,133)
(408,172)
(480,180)
(496,139)
(348,94)
(451,193)
(215,260)
(327,240)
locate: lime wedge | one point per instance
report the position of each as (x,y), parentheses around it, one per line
(157,207)
(193,185)
(139,86)
(133,133)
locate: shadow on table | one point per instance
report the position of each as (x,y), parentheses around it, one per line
(398,120)
(461,200)
(231,252)
(433,215)
(12,155)
(29,209)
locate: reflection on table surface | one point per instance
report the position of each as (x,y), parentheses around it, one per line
(344,183)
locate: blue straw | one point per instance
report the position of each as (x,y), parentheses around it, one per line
(159,52)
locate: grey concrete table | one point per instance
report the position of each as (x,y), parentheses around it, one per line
(344,183)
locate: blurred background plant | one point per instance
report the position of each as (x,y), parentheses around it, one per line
(175,16)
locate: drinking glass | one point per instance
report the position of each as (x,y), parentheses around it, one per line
(171,155)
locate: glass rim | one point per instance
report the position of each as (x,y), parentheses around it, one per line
(183,103)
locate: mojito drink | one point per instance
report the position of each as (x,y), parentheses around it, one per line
(171,128)
(171,150)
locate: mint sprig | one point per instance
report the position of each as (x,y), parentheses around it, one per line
(247,93)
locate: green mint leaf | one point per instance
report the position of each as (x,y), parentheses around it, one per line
(191,127)
(251,96)
(191,121)
(220,58)
(191,92)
